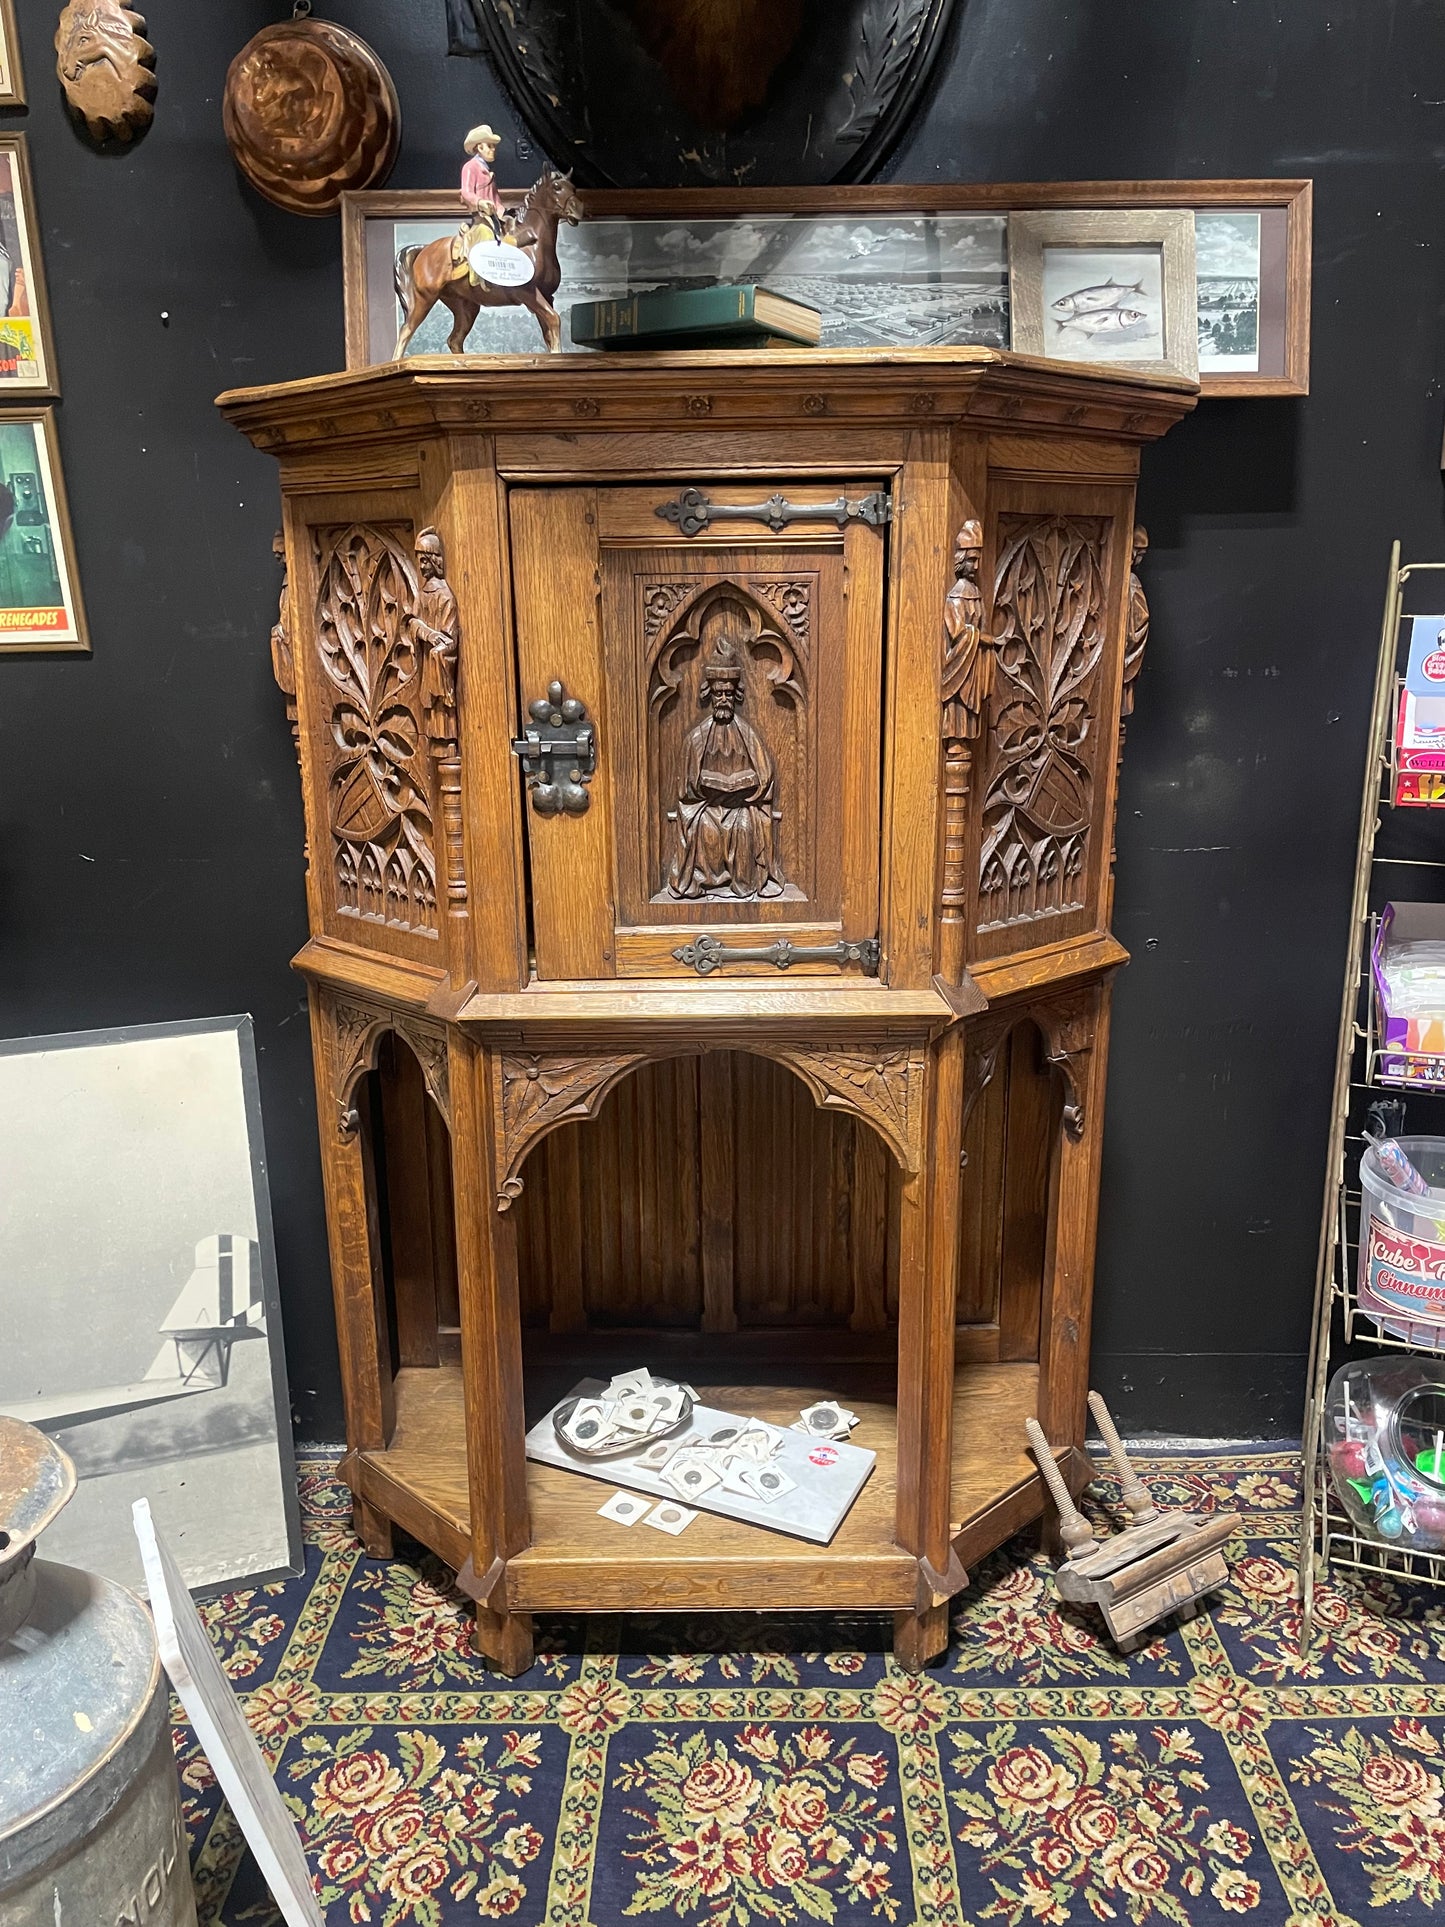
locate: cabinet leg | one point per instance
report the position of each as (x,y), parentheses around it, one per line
(372,1528)
(504,1640)
(920,1637)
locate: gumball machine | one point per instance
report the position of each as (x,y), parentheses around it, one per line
(1385,1442)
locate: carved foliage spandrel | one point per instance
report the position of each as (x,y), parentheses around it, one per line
(879,1081)
(1067,1027)
(356,1033)
(1049,627)
(383,849)
(533,1093)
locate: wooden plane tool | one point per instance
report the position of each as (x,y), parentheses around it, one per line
(1161,1563)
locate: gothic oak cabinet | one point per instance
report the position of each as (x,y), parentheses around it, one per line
(710,766)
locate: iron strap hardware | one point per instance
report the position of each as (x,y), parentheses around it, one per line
(558,752)
(706,954)
(693,512)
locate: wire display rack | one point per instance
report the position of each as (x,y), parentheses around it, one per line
(1329,1537)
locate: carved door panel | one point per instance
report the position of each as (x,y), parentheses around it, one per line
(1057,561)
(734,676)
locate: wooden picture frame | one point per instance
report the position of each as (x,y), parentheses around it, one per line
(12,77)
(39,613)
(1280,209)
(27,346)
(1144,295)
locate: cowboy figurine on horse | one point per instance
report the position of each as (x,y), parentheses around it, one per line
(499,259)
(486,220)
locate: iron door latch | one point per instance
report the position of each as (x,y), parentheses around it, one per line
(558,752)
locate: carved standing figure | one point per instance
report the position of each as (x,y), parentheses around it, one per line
(283,660)
(726,815)
(1136,626)
(967,658)
(105,66)
(434,632)
(966,681)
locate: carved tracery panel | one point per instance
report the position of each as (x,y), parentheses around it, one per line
(1050,622)
(378,802)
(727,793)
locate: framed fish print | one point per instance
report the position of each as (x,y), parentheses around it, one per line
(40,605)
(12,84)
(27,352)
(890,266)
(1110,285)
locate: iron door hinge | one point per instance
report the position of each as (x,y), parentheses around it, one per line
(692,511)
(707,954)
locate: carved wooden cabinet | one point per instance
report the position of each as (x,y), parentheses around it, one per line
(710,766)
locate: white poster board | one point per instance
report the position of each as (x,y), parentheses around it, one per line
(230,1746)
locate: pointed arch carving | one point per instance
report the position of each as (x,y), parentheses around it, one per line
(357,1031)
(728,713)
(782,658)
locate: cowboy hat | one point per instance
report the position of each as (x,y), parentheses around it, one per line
(481,137)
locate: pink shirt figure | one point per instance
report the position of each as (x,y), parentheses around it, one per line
(479,188)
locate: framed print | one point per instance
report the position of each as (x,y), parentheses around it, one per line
(27,352)
(12,84)
(140,1325)
(1110,285)
(40,605)
(890,265)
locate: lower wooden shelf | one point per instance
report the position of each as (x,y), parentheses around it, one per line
(582,1563)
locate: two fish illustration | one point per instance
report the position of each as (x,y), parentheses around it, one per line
(1101,310)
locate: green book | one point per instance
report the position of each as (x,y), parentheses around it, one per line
(738,315)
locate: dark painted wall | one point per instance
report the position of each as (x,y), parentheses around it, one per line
(149,819)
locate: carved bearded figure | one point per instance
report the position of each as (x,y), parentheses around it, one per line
(434,630)
(725,815)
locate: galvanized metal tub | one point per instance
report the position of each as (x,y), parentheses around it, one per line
(90,1818)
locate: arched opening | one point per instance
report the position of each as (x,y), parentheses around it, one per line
(409,1157)
(1009,1146)
(709,1194)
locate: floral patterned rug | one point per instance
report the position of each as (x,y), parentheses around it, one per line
(730,1772)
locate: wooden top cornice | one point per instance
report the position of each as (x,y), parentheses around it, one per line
(853,387)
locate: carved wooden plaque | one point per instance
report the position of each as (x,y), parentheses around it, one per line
(310,113)
(378,800)
(1048,716)
(106,68)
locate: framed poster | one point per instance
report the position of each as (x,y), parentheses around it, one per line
(140,1323)
(1107,285)
(890,265)
(27,351)
(40,605)
(12,83)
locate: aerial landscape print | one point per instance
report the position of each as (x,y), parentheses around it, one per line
(899,281)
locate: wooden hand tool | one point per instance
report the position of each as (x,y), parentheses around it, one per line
(1161,1563)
